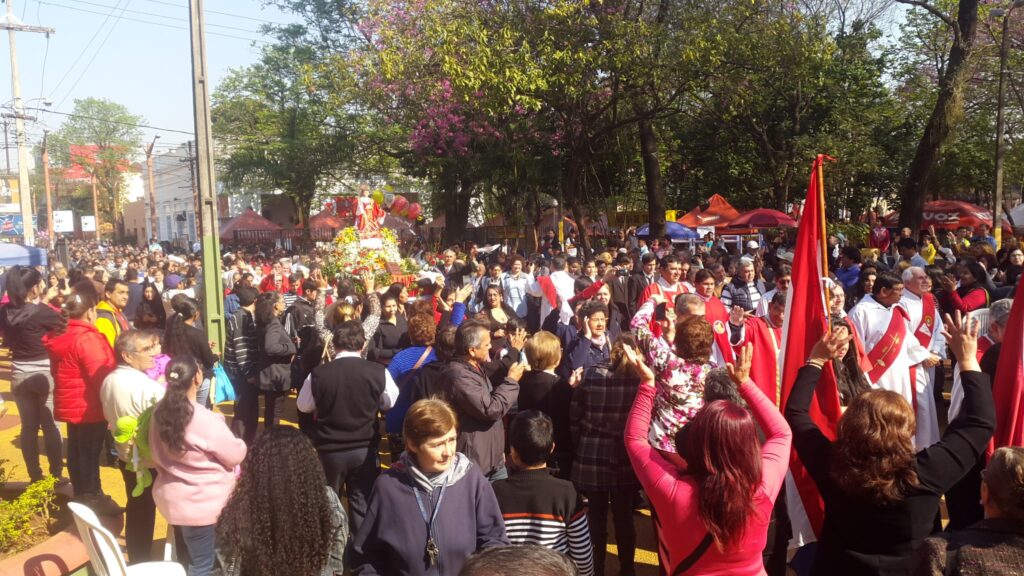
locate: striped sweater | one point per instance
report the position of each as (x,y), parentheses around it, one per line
(541,509)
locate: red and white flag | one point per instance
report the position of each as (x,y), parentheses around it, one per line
(806,321)
(1008,386)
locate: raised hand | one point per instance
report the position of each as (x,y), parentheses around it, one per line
(739,372)
(369,283)
(642,369)
(576,378)
(463,293)
(518,339)
(515,371)
(829,347)
(737,317)
(962,337)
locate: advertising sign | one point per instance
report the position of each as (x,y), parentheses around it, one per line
(88,223)
(63,221)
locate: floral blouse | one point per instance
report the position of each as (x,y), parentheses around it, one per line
(679,384)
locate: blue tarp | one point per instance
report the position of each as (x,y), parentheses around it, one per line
(675,230)
(16,254)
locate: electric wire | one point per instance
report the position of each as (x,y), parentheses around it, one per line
(95,54)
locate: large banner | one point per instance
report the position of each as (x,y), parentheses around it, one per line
(63,221)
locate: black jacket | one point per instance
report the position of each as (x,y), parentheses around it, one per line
(23,328)
(276,350)
(860,537)
(388,340)
(480,408)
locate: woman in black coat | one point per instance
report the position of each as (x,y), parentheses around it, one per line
(881,499)
(276,349)
(151,313)
(392,335)
(185,337)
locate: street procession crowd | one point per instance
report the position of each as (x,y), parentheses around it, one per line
(526,405)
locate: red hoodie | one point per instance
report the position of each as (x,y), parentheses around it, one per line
(80,359)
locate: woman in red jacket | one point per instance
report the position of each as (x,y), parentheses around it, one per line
(80,359)
(974,292)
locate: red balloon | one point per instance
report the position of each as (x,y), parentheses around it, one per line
(414,210)
(399,205)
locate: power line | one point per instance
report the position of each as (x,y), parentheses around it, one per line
(161,2)
(84,50)
(171,26)
(96,53)
(147,126)
(167,17)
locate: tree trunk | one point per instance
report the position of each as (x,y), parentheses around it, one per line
(457,193)
(947,111)
(302,206)
(652,179)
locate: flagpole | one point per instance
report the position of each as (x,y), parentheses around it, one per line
(819,168)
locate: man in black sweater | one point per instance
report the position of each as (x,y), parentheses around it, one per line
(346,395)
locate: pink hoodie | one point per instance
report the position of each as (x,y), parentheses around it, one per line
(192,488)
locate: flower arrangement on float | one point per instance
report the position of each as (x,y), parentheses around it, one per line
(348,257)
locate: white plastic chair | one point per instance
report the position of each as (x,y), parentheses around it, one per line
(104,553)
(981,315)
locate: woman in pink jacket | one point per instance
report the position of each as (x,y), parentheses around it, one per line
(195,455)
(713,516)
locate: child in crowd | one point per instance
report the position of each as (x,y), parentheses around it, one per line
(537,507)
(542,389)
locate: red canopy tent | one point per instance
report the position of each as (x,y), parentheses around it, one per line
(327,220)
(948,214)
(763,218)
(246,221)
(719,213)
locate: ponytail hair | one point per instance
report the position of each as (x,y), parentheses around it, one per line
(174,412)
(185,308)
(19,282)
(76,306)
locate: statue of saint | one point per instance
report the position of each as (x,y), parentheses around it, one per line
(369,215)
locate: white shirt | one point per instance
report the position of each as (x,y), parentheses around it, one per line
(306,403)
(127,392)
(565,286)
(872,321)
(927,412)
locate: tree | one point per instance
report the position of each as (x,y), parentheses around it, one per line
(277,130)
(102,137)
(949,105)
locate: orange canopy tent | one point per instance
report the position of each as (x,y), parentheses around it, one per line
(327,220)
(719,213)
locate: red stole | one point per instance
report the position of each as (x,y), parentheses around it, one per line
(656,288)
(928,310)
(984,343)
(862,356)
(764,370)
(716,315)
(889,347)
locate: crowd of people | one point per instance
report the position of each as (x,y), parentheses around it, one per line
(499,413)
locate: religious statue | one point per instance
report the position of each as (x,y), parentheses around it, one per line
(369,215)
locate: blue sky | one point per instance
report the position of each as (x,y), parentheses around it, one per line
(134,52)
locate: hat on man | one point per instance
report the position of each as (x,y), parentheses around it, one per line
(753,244)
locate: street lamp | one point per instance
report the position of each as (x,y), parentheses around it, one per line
(1004,50)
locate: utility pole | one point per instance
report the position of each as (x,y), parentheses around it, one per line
(152,232)
(13,26)
(192,186)
(213,301)
(46,185)
(95,208)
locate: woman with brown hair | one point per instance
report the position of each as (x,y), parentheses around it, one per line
(432,508)
(881,499)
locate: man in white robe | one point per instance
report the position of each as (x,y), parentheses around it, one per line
(925,338)
(886,333)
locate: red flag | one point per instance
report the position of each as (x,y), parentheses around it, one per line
(806,321)
(1008,386)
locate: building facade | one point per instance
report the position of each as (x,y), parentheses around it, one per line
(174,185)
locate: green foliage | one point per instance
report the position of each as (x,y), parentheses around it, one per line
(18,516)
(113,129)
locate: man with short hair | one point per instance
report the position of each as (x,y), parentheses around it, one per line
(742,289)
(928,342)
(346,394)
(783,279)
(451,270)
(848,272)
(639,281)
(669,282)
(134,280)
(110,319)
(981,234)
(884,328)
(907,248)
(480,406)
(241,363)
